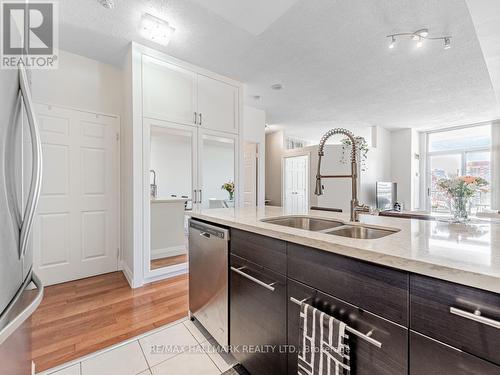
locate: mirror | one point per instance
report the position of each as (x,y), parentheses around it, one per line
(171,184)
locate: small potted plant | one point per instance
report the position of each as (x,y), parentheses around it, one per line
(229,187)
(460,190)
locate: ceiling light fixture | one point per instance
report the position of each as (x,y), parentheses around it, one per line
(156,29)
(393,43)
(419,36)
(108,4)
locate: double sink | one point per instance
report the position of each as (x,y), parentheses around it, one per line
(333,227)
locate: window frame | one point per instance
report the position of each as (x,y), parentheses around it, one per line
(462,152)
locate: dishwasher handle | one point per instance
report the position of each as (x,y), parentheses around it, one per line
(208,231)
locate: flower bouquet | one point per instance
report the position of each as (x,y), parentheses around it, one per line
(460,190)
(229,187)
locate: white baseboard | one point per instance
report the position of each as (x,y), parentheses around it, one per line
(168,252)
(128,274)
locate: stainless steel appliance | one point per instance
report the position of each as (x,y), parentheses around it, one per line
(20,183)
(208,278)
(387,195)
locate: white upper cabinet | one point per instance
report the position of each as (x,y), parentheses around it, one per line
(217,105)
(169,92)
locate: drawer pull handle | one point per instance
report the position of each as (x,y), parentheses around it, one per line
(475,316)
(355,332)
(255,280)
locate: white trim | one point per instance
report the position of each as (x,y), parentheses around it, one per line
(168,252)
(127,273)
(166,273)
(84,110)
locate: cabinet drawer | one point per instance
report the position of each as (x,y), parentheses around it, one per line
(381,290)
(257,317)
(262,250)
(430,303)
(430,357)
(366,359)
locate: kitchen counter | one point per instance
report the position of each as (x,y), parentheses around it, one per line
(467,254)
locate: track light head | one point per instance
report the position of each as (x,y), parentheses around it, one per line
(447,43)
(393,42)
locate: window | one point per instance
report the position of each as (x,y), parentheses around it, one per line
(457,152)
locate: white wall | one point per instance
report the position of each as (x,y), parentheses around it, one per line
(495,166)
(254,125)
(80,83)
(274,153)
(405,167)
(171,160)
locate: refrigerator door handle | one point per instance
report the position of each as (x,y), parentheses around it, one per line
(36,177)
(9,324)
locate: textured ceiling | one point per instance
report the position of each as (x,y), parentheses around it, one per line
(331,56)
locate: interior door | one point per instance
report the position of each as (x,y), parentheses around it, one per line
(250,174)
(76,230)
(217,105)
(216,166)
(296,182)
(169,92)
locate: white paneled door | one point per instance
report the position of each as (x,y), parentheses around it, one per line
(76,230)
(296,183)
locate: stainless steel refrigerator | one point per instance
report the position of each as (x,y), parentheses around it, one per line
(20,182)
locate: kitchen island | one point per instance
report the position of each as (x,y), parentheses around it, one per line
(424,299)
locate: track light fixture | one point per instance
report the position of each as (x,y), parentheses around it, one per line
(419,36)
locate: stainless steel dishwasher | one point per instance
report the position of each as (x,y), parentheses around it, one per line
(208,278)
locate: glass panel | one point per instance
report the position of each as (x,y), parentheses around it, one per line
(217,162)
(478,164)
(461,139)
(443,166)
(171,160)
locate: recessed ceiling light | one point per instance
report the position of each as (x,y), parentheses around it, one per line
(108,4)
(277,86)
(156,29)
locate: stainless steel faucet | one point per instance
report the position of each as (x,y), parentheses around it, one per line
(356,207)
(153,187)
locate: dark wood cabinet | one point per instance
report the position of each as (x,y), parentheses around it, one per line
(373,299)
(262,250)
(366,359)
(430,357)
(380,290)
(257,317)
(431,300)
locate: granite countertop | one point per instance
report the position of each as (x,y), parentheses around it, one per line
(468,254)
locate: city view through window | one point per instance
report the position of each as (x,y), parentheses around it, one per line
(459,152)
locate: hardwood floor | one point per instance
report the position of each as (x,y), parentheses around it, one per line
(84,316)
(170,261)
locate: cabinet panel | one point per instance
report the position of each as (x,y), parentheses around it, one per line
(257,317)
(217,105)
(431,300)
(259,249)
(168,92)
(381,290)
(390,359)
(429,357)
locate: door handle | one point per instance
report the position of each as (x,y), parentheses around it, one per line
(199,123)
(475,316)
(195,117)
(254,279)
(17,321)
(201,196)
(36,177)
(205,234)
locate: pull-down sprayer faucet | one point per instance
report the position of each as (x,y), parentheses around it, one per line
(356,207)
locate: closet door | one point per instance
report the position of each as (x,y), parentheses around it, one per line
(169,92)
(217,105)
(217,165)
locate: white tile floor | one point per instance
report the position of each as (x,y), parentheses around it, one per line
(194,353)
